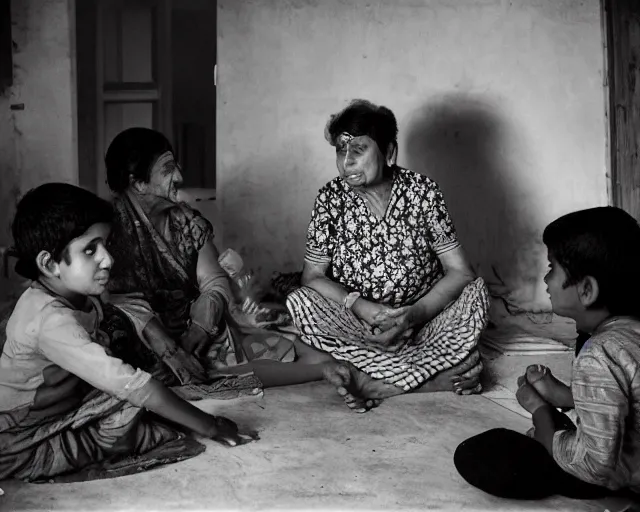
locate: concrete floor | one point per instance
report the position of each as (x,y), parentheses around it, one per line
(314,454)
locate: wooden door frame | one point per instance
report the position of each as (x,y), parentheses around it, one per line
(621,27)
(162,93)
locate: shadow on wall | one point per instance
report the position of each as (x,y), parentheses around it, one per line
(472,153)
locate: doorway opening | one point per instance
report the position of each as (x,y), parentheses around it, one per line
(147,63)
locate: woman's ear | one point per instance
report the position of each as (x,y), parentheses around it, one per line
(47,265)
(588,291)
(392,153)
(137,185)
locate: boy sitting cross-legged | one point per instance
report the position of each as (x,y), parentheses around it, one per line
(65,402)
(593,278)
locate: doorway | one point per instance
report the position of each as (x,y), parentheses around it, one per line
(147,63)
(622,27)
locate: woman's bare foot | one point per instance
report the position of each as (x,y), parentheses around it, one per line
(551,389)
(463,379)
(360,391)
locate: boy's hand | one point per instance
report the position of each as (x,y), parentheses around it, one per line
(226,432)
(552,391)
(529,398)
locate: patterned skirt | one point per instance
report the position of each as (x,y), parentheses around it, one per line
(85,443)
(439,345)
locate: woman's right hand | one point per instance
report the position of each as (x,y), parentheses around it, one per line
(379,316)
(368,311)
(167,404)
(225,431)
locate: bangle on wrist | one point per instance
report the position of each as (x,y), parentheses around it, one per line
(350,300)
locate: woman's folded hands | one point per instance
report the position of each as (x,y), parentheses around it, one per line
(387,323)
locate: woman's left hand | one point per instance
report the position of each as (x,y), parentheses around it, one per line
(390,318)
(388,326)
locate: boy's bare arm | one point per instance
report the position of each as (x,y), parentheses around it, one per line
(65,342)
(170,406)
(545,426)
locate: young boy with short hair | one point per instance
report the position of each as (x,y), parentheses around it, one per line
(65,402)
(593,278)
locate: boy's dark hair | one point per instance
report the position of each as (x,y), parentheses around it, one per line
(361,117)
(603,243)
(133,153)
(48,218)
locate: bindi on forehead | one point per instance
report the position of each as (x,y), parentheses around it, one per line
(346,139)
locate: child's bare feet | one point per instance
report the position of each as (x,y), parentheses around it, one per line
(551,389)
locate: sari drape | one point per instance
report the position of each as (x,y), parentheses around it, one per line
(162,264)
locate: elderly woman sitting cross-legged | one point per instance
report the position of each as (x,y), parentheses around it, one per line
(386,287)
(164,251)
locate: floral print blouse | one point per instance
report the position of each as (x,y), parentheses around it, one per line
(393,259)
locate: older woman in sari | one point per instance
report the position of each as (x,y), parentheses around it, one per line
(387,288)
(164,250)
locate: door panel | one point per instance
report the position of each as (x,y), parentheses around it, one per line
(134,84)
(623,42)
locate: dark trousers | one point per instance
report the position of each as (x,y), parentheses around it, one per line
(511,465)
(508,464)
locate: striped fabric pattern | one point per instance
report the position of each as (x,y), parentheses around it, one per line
(439,345)
(43,447)
(605,448)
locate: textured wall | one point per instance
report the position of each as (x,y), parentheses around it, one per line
(500,101)
(37,143)
(37,114)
